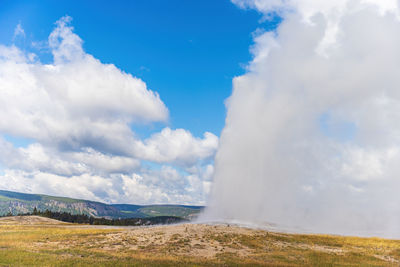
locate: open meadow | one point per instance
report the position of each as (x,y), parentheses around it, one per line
(37,241)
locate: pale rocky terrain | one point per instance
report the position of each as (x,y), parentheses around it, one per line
(29,220)
(199,244)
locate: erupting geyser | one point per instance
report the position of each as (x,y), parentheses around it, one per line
(312,134)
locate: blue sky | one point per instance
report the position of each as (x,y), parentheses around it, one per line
(187,51)
(74,122)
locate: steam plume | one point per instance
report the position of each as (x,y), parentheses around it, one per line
(312,134)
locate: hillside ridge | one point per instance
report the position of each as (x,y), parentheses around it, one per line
(21,203)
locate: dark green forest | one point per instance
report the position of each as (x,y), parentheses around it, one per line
(85,219)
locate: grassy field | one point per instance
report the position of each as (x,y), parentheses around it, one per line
(27,241)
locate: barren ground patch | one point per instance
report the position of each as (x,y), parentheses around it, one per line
(40,241)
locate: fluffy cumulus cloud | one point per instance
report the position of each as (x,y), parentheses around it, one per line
(308,8)
(312,135)
(177,146)
(78,112)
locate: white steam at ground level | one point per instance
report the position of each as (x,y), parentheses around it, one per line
(312,134)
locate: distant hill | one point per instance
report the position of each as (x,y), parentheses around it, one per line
(187,212)
(19,203)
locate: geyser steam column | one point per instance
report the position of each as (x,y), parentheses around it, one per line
(312,134)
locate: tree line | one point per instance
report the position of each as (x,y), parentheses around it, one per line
(85,219)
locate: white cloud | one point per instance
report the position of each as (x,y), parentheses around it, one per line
(308,8)
(289,170)
(64,44)
(143,187)
(75,101)
(78,113)
(37,157)
(18,31)
(178,146)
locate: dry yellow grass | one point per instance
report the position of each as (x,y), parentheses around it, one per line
(27,241)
